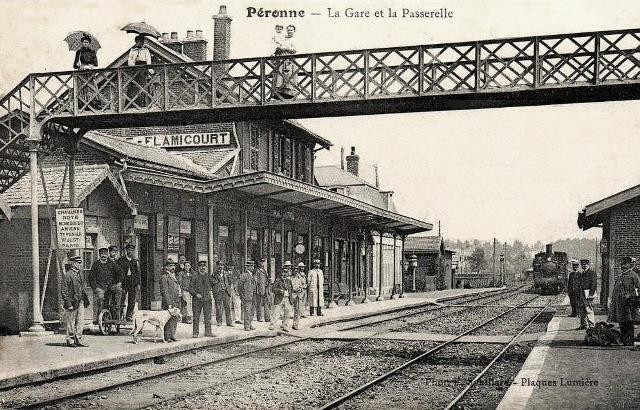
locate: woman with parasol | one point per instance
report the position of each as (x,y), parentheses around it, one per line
(85,45)
(138,90)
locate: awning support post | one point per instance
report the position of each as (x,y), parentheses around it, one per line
(211,237)
(332,273)
(350,269)
(380,297)
(402,268)
(394,294)
(363,269)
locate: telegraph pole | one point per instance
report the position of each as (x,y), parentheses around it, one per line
(494,261)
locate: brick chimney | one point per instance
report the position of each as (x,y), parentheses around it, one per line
(353,162)
(221,35)
(193,46)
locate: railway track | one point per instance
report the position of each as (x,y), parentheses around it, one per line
(380,389)
(376,320)
(196,376)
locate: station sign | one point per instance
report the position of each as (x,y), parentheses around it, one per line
(70,228)
(201,139)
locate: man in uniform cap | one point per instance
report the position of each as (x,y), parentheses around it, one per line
(74,299)
(247,290)
(131,273)
(315,280)
(171,297)
(296,296)
(281,290)
(624,299)
(303,277)
(200,288)
(113,252)
(589,286)
(222,288)
(235,296)
(574,286)
(104,279)
(262,282)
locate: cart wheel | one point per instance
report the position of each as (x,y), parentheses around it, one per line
(103,318)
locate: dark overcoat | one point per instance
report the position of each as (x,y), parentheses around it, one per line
(625,286)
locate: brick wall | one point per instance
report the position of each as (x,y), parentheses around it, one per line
(15,274)
(625,229)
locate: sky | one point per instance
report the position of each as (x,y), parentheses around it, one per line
(510,173)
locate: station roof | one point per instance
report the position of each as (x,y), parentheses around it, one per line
(87,178)
(271,186)
(145,154)
(593,214)
(332,175)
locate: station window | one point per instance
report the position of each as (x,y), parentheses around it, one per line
(254,147)
(286,156)
(277,141)
(307,164)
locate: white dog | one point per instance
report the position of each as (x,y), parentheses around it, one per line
(157,318)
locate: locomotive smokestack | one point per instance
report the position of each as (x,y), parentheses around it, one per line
(549,249)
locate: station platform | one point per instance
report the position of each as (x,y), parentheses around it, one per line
(35,359)
(562,372)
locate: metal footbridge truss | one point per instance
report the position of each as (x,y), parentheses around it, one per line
(47,108)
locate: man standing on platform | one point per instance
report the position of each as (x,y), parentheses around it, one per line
(222,288)
(281,290)
(235,296)
(74,300)
(200,287)
(589,286)
(295,297)
(118,287)
(184,278)
(171,297)
(624,299)
(262,282)
(103,279)
(303,277)
(113,253)
(131,273)
(247,290)
(574,286)
(315,280)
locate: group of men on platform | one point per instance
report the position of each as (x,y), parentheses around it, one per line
(581,288)
(625,296)
(241,298)
(235,297)
(112,277)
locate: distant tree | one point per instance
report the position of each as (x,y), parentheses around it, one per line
(476,260)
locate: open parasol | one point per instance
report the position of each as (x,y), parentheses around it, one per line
(74,40)
(142,28)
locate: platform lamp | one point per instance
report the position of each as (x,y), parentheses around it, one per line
(413,262)
(405,271)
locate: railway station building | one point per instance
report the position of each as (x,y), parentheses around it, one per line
(433,270)
(618,216)
(209,191)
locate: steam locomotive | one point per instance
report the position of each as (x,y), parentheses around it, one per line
(550,272)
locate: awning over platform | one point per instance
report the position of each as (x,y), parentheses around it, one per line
(276,187)
(593,214)
(271,186)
